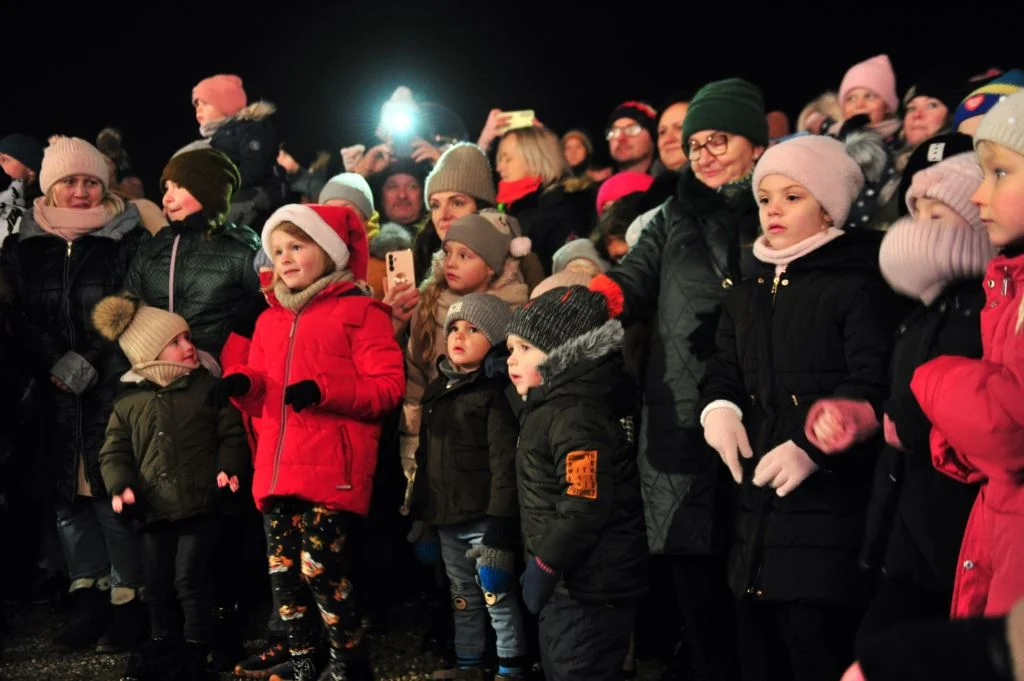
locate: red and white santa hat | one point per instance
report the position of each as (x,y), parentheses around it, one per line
(336,229)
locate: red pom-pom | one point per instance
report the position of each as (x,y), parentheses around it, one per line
(612,293)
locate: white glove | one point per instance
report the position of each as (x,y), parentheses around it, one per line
(724,431)
(784,468)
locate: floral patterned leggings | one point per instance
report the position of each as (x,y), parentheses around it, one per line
(306,543)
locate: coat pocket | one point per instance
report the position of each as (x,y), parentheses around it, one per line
(344,454)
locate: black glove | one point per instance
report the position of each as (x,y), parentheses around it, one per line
(234,385)
(302,394)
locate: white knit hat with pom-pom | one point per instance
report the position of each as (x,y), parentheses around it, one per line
(491,235)
(67,156)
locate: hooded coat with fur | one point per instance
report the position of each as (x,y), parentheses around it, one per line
(248,138)
(579,489)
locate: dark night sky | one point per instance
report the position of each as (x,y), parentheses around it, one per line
(329,66)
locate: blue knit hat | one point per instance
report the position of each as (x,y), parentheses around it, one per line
(988,95)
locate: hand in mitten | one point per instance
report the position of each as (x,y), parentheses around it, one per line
(425,543)
(539,582)
(302,394)
(724,431)
(834,425)
(493,570)
(892,438)
(221,393)
(784,468)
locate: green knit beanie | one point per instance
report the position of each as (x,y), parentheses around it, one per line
(209,175)
(732,105)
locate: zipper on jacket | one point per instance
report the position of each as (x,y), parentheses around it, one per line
(775,287)
(1006,280)
(79,441)
(284,407)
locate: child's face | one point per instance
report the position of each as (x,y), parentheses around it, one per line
(789,214)
(207,113)
(14,168)
(298,263)
(467,345)
(617,248)
(861,100)
(933,209)
(1000,198)
(464,270)
(584,266)
(180,350)
(523,362)
(179,202)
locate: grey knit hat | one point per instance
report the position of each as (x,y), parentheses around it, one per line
(491,235)
(490,314)
(1004,124)
(351,187)
(574,250)
(462,168)
(558,316)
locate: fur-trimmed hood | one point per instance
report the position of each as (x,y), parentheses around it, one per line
(589,365)
(257,111)
(592,345)
(509,285)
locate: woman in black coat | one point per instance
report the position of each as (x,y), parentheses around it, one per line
(72,251)
(813,321)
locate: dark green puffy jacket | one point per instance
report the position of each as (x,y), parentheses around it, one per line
(168,445)
(216,288)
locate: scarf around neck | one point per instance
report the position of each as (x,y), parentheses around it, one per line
(163,373)
(207,130)
(296,300)
(782,257)
(68,223)
(510,192)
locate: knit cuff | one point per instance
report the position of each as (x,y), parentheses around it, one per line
(719,404)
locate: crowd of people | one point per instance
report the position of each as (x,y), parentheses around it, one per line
(776,373)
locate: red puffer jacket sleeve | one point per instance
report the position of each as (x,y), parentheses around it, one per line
(251,404)
(978,406)
(376,383)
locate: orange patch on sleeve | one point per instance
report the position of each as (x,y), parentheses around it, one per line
(581,474)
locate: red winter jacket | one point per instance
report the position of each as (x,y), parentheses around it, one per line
(977,411)
(326,453)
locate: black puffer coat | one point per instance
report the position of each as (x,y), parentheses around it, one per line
(56,284)
(579,493)
(555,215)
(821,329)
(677,276)
(467,454)
(216,288)
(919,514)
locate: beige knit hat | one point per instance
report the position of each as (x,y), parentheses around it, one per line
(463,168)
(1003,124)
(491,235)
(142,331)
(71,156)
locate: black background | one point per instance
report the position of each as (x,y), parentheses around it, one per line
(329,66)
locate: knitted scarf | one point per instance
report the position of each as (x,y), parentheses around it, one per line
(69,223)
(296,300)
(510,192)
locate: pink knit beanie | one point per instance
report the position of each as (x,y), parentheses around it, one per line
(819,164)
(621,184)
(952,182)
(919,258)
(224,91)
(875,74)
(68,156)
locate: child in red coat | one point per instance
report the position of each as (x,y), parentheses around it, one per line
(323,370)
(977,405)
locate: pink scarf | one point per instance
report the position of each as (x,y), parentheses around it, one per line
(781,257)
(69,223)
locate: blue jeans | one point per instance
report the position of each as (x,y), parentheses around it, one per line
(468,598)
(97,543)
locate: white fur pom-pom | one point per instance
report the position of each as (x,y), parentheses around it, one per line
(520,246)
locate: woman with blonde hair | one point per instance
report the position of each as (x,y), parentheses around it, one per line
(537,188)
(72,251)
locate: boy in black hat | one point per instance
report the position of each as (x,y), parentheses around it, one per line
(579,490)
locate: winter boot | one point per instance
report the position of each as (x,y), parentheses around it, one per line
(129,623)
(303,669)
(260,665)
(88,617)
(155,660)
(348,665)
